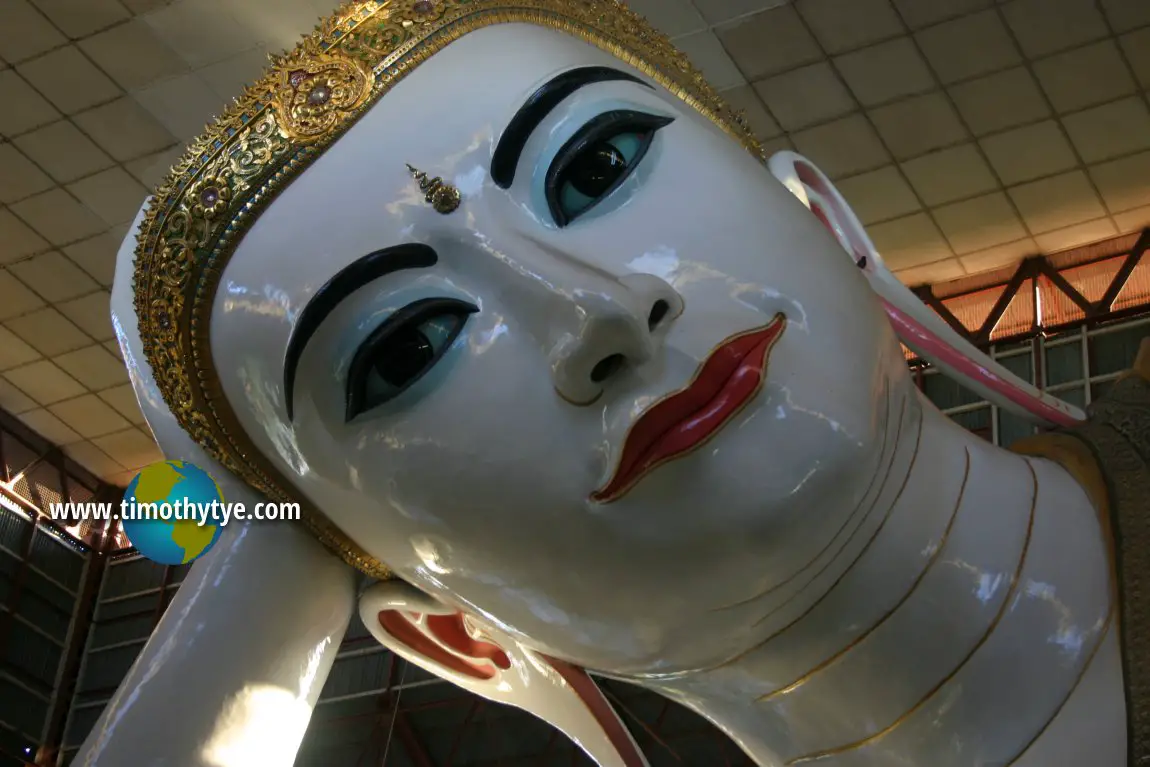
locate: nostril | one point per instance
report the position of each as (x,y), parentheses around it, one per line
(658,312)
(607,367)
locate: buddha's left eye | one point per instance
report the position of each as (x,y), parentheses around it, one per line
(402,350)
(596,160)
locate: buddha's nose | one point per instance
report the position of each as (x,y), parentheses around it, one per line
(620,327)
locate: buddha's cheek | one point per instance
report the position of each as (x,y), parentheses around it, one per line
(479,439)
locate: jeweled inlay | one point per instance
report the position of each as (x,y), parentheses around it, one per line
(319,95)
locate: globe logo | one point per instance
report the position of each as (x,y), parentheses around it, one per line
(171,512)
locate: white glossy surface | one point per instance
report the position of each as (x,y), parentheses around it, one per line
(815,514)
(242,652)
(449,484)
(956,634)
(231,674)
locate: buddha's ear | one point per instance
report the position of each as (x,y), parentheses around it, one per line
(490,663)
(805,181)
(918,326)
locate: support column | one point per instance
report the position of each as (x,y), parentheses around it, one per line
(73,654)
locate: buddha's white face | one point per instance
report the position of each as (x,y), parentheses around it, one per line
(474,403)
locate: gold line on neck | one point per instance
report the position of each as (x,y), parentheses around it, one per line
(934,557)
(870,541)
(850,518)
(1069,693)
(761,643)
(1016,581)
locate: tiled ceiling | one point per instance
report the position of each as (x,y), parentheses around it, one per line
(966,133)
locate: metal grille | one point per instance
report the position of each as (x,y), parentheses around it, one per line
(1077,366)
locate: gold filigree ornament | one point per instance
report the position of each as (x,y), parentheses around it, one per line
(276,129)
(315,97)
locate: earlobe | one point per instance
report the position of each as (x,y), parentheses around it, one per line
(493,664)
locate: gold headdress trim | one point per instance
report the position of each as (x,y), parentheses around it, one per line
(278,127)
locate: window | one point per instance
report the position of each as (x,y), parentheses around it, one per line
(1077,366)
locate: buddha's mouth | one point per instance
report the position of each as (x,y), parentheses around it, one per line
(682,421)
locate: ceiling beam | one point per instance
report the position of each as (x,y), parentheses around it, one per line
(1052,274)
(1106,304)
(414,747)
(63,697)
(926,294)
(1025,271)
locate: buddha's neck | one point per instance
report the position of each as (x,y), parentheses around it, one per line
(968,600)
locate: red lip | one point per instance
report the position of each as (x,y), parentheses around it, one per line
(680,422)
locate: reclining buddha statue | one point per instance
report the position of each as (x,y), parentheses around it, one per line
(513,305)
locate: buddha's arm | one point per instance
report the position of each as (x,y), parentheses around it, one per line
(232,672)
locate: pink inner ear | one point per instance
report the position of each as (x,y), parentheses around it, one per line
(815,183)
(822,216)
(812,179)
(970,369)
(440,637)
(449,630)
(445,631)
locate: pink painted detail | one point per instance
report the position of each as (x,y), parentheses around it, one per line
(444,636)
(930,345)
(443,639)
(672,427)
(592,697)
(820,192)
(451,632)
(824,201)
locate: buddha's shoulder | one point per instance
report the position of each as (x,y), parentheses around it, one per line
(1109,454)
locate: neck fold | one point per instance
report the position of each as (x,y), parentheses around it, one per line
(968,576)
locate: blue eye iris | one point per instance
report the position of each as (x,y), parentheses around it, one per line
(596,160)
(596,171)
(408,353)
(402,350)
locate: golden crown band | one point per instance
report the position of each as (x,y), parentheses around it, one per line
(277,128)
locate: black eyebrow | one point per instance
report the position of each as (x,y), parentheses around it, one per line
(538,106)
(345,282)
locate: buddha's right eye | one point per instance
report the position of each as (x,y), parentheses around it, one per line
(403,350)
(597,160)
